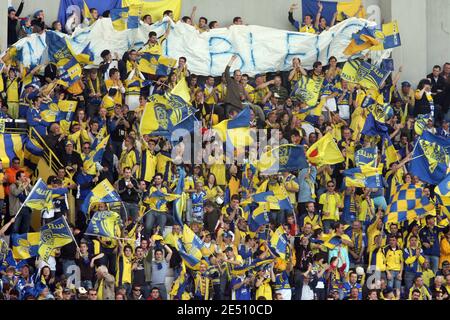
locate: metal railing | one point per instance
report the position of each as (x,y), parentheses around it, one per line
(55,164)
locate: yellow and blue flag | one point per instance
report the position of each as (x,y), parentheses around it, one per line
(86,56)
(181,90)
(374,128)
(442,191)
(310,114)
(159,198)
(362,40)
(70,71)
(279,243)
(54,235)
(421,123)
(431,158)
(407,203)
(190,248)
(26,245)
(179,286)
(104,224)
(191,258)
(11,146)
(103,192)
(366,156)
(59,48)
(286,157)
(40,197)
(165,114)
(363,73)
(95,156)
(246,267)
(63,111)
(87,14)
(330,241)
(388,36)
(325,151)
(259,216)
(365,176)
(236,131)
(156,64)
(307,90)
(191,240)
(126,18)
(344,9)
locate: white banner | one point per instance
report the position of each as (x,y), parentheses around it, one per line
(260,49)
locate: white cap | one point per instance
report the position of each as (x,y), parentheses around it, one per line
(82,290)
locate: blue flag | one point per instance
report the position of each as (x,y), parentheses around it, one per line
(366,156)
(101,6)
(431,158)
(283,158)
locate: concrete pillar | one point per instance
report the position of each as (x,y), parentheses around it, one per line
(412,18)
(3,25)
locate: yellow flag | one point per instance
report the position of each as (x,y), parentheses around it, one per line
(156,8)
(182,90)
(325,151)
(350,9)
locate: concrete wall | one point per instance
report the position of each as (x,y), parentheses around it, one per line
(413,29)
(424,24)
(438,32)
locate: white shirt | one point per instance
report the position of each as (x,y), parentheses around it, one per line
(307,293)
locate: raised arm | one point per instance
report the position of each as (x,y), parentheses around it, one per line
(318,15)
(169,252)
(294,22)
(194,10)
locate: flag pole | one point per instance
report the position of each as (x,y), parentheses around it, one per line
(67,225)
(31,192)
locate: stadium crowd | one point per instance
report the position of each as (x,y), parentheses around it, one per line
(374,259)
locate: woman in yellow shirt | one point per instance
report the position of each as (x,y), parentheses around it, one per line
(212,189)
(114,82)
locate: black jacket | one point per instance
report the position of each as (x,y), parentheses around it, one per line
(12,27)
(129,195)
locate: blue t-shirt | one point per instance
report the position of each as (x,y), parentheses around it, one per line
(243,293)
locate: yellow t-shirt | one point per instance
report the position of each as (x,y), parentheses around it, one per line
(129,158)
(212,193)
(330,204)
(123,273)
(265,290)
(110,84)
(108,103)
(221,91)
(308,29)
(100,290)
(209,98)
(155,48)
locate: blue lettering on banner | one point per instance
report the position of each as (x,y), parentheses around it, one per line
(289,53)
(83,35)
(329,45)
(252,56)
(317,48)
(32,55)
(229,51)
